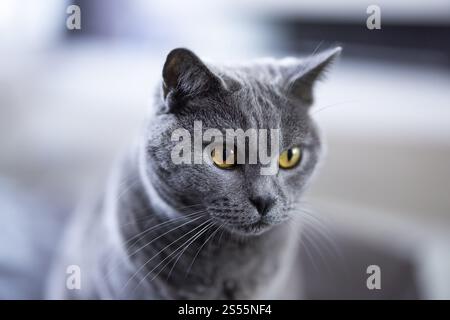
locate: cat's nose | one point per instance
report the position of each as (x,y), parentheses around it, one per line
(262,204)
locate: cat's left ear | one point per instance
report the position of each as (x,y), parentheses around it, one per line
(186,76)
(301,80)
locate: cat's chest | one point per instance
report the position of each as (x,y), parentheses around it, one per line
(247,272)
(238,282)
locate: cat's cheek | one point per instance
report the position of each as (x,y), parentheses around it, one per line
(295,180)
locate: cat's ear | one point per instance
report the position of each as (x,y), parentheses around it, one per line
(302,79)
(185,75)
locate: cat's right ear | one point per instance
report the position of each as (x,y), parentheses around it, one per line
(185,76)
(306,74)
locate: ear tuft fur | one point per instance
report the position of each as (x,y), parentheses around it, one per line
(302,79)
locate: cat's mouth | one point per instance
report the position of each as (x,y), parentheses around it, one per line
(255,228)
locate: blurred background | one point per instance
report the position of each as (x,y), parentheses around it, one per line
(72,100)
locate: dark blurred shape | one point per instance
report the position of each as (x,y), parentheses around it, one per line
(113,19)
(341,273)
(411,43)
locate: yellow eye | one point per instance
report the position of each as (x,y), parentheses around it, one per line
(290,158)
(224,158)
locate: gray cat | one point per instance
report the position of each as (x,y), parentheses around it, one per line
(202,231)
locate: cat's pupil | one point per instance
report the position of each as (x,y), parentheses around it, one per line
(289,154)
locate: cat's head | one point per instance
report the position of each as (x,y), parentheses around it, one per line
(269,94)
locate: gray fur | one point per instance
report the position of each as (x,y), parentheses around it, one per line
(235,257)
